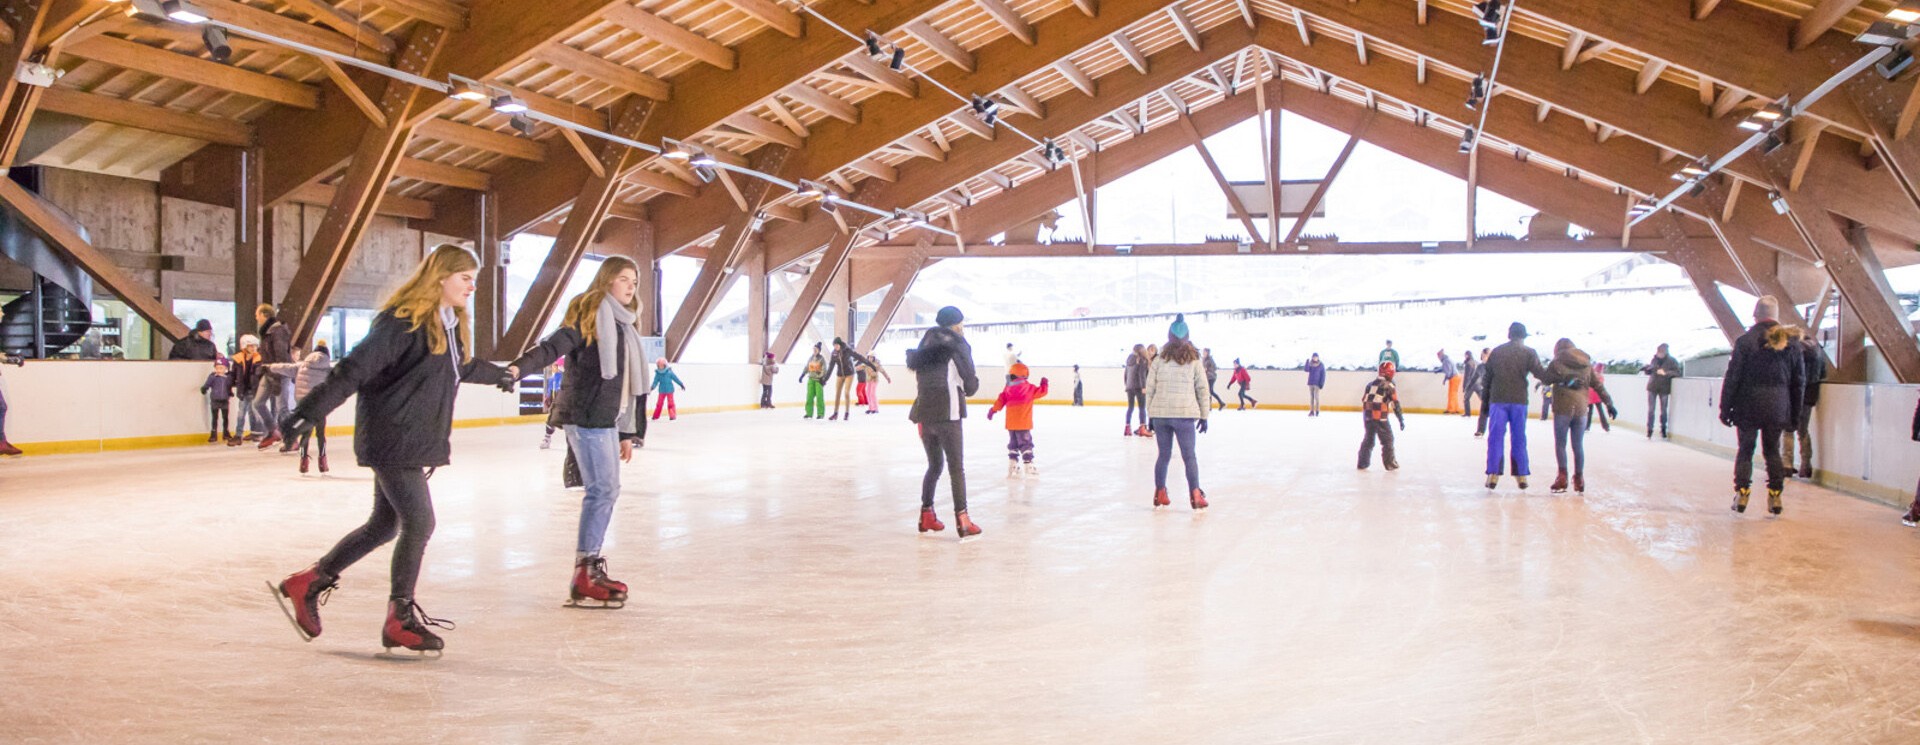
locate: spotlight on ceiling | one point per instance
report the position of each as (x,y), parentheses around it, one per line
(1779,202)
(1895,64)
(810,190)
(671,149)
(216,40)
(1690,171)
(507,104)
(183,11)
(466,89)
(910,217)
(1764,117)
(873,47)
(521,123)
(986,109)
(1907,12)
(1053,152)
(1468,140)
(1477,94)
(1885,34)
(899,59)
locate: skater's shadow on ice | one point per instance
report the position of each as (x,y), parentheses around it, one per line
(381,658)
(1897,629)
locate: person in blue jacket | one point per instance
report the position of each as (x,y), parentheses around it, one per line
(1316,380)
(666,382)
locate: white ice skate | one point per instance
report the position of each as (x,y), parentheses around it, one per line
(1033,470)
(1013,470)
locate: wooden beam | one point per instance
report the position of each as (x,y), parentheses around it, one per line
(291,29)
(828,105)
(904,274)
(480,138)
(943,47)
(1300,22)
(443,13)
(352,90)
(391,205)
(23,21)
(1125,47)
(1819,20)
(381,150)
(876,169)
(599,68)
(582,225)
(671,35)
(1187,31)
(1808,134)
(1703,8)
(1008,20)
(762,130)
(659,182)
(807,301)
(443,174)
(1076,76)
(585,151)
(1333,172)
(333,18)
(883,77)
(155,61)
(1576,42)
(1649,74)
(771,13)
(725,256)
(1233,198)
(39,217)
(1087,8)
(1020,99)
(142,116)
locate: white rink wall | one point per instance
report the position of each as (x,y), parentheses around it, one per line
(63,406)
(1272,388)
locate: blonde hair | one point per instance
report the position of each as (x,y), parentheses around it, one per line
(418,300)
(583,311)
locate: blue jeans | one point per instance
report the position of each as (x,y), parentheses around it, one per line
(1570,429)
(1165,433)
(271,403)
(1503,417)
(597,450)
(246,421)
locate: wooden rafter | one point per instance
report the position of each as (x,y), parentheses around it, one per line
(1333,172)
(443,174)
(154,61)
(1226,189)
(23,22)
(1125,47)
(1008,19)
(671,35)
(771,13)
(1187,30)
(147,117)
(480,138)
(586,152)
(890,304)
(1819,20)
(1076,76)
(828,105)
(626,78)
(946,48)
(37,216)
(333,18)
(832,264)
(725,256)
(352,90)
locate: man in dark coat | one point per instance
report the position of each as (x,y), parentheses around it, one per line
(1504,389)
(943,365)
(198,345)
(1813,362)
(1761,397)
(1660,372)
(274,398)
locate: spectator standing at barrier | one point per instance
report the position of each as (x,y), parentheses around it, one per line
(1213,373)
(1316,380)
(1507,369)
(7,448)
(1469,382)
(1079,398)
(1380,399)
(219,392)
(1245,380)
(274,397)
(1134,378)
(1660,372)
(1911,519)
(1479,384)
(1389,355)
(1451,376)
(246,380)
(943,368)
(197,346)
(767,370)
(1761,398)
(1813,362)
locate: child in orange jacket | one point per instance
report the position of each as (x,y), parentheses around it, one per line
(1018,400)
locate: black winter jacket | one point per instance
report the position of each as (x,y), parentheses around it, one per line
(1661,384)
(1506,371)
(1813,364)
(844,362)
(194,348)
(1765,381)
(590,401)
(404,415)
(943,364)
(1136,374)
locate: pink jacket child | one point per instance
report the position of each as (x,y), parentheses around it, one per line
(1018,400)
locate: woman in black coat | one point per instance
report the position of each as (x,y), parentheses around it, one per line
(1761,397)
(1912,518)
(406,373)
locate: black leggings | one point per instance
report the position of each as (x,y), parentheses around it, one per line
(319,434)
(942,440)
(1215,394)
(1141,398)
(222,416)
(1244,398)
(1768,442)
(402,505)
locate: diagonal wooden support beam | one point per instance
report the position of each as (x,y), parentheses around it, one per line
(1856,271)
(61,235)
(890,303)
(831,265)
(1326,184)
(726,255)
(581,227)
(1226,189)
(18,100)
(358,194)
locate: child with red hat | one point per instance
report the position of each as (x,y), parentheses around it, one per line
(1381,397)
(1018,400)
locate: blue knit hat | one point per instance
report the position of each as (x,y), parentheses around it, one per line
(949,316)
(1179,328)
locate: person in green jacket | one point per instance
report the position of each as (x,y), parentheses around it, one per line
(666,382)
(815,374)
(1389,355)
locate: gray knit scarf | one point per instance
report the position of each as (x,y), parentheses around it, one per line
(609,320)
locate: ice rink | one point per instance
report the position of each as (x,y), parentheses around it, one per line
(781,594)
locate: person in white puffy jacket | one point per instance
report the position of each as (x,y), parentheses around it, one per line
(1177,406)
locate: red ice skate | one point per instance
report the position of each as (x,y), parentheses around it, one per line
(930,523)
(268,441)
(407,628)
(7,448)
(323,462)
(1198,499)
(590,582)
(964,526)
(1160,497)
(300,597)
(1559,483)
(305,462)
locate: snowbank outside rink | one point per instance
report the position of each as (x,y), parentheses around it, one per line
(68,406)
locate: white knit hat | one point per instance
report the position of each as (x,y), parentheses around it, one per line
(249,340)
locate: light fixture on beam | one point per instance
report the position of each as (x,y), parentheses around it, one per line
(1764,117)
(466,89)
(1906,13)
(1690,171)
(810,190)
(915,218)
(672,149)
(37,73)
(1885,34)
(216,40)
(1896,64)
(986,109)
(1468,140)
(1778,201)
(179,11)
(1477,92)
(507,104)
(1489,17)
(521,123)
(1053,152)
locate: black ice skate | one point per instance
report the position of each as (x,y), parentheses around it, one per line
(1773,502)
(593,589)
(1740,497)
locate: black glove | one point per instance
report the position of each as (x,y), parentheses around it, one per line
(1726,419)
(1201,427)
(507,382)
(1403,425)
(1613,412)
(294,426)
(14,361)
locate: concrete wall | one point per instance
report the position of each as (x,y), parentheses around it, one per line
(65,406)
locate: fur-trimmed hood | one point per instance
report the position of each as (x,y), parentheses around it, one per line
(1781,335)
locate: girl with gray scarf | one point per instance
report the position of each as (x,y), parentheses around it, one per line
(606,369)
